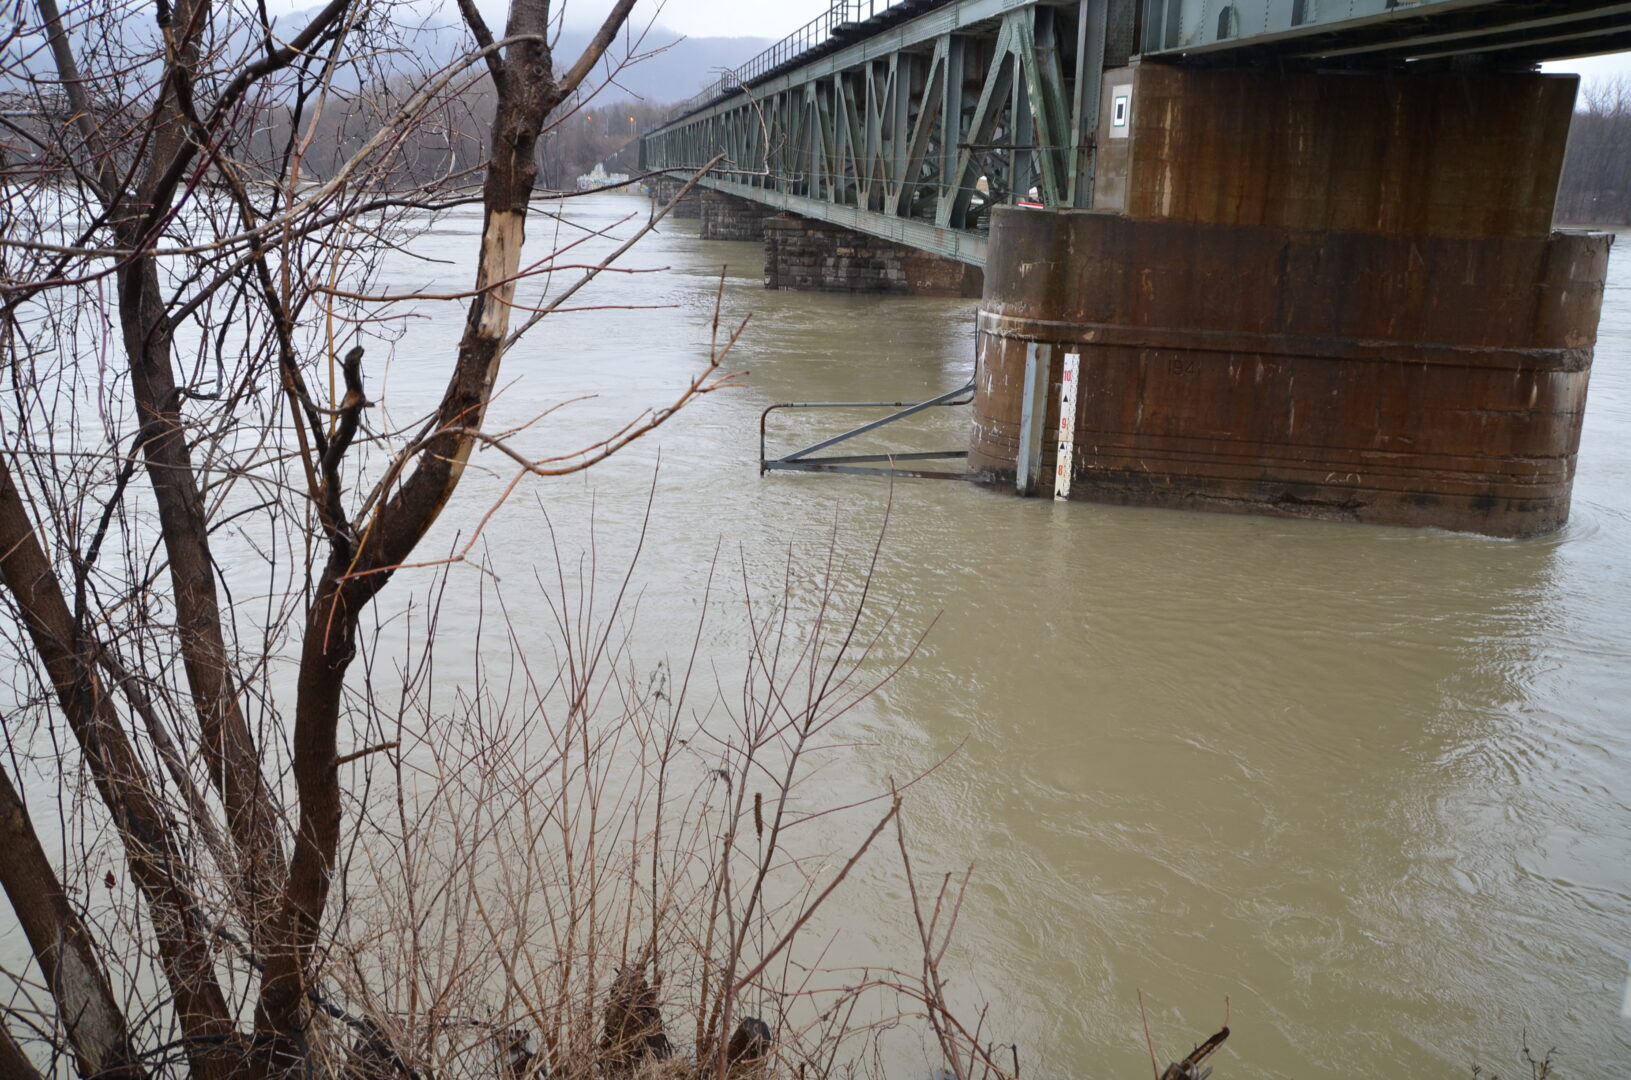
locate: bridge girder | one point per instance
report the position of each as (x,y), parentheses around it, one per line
(914,124)
(916,134)
(1372,33)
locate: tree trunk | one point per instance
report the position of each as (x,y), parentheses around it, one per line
(230,753)
(62,947)
(185,943)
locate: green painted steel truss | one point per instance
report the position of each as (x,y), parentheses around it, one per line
(916,132)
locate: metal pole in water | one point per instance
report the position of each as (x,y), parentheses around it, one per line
(1065,458)
(1033,417)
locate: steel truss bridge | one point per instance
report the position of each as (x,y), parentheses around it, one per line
(911,119)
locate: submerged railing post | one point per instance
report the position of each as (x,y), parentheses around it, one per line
(1064,458)
(1033,418)
(875,464)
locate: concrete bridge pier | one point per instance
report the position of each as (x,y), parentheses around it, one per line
(1331,296)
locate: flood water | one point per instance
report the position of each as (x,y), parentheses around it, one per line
(1373,786)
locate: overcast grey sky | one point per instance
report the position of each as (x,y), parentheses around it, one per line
(1596,67)
(720,18)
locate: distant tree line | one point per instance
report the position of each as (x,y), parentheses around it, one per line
(447,141)
(1596,186)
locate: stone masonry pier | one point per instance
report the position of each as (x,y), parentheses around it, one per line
(665,188)
(728,217)
(803,253)
(819,256)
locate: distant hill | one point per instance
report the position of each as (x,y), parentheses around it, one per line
(396,58)
(677,72)
(673,68)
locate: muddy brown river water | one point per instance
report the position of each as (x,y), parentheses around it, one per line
(1373,785)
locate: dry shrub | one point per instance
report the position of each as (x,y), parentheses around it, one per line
(612,865)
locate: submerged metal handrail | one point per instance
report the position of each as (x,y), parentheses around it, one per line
(800,460)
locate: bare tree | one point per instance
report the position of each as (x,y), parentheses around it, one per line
(1596,184)
(232,851)
(143,236)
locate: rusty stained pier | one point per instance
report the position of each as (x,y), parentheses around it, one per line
(1293,274)
(1329,298)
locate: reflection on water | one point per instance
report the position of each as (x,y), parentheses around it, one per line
(1370,785)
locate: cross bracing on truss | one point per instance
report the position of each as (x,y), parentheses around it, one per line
(916,132)
(841,22)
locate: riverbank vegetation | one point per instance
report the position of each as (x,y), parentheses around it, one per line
(590,128)
(1596,184)
(254,824)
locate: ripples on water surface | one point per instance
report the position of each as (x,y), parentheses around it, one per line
(1372,784)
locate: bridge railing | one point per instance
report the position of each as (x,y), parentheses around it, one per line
(811,35)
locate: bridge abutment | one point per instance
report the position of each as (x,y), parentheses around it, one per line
(820,256)
(1330,296)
